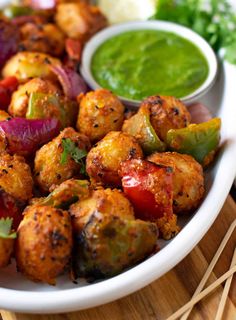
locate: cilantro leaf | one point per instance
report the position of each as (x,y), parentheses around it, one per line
(214,20)
(5,229)
(71,150)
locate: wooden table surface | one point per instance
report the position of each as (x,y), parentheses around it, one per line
(164,296)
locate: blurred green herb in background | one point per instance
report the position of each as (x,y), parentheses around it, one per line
(214,20)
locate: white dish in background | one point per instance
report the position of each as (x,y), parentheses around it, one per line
(19,294)
(96,41)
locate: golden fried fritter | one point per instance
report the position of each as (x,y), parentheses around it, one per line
(166,113)
(27,65)
(79,20)
(15,177)
(188,179)
(103,160)
(20,98)
(45,38)
(48,166)
(111,202)
(100,112)
(6,250)
(44,243)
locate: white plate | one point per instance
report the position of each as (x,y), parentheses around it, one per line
(21,295)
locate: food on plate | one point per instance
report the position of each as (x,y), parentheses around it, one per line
(107,201)
(7,239)
(15,177)
(149,187)
(199,140)
(60,159)
(65,194)
(45,38)
(155,117)
(26,65)
(79,20)
(44,243)
(109,244)
(188,180)
(153,62)
(104,159)
(166,113)
(20,98)
(100,112)
(23,136)
(107,182)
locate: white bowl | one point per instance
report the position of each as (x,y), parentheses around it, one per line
(186,33)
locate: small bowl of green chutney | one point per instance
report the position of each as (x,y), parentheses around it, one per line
(136,60)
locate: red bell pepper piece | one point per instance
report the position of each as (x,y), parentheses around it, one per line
(149,187)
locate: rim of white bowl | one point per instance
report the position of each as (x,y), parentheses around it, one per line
(96,41)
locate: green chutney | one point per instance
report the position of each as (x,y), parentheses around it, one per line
(138,64)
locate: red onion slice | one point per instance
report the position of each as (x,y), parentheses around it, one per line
(199,113)
(72,84)
(24,136)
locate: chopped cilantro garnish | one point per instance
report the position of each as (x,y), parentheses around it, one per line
(71,150)
(214,20)
(5,229)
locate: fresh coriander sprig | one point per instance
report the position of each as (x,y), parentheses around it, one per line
(5,228)
(71,150)
(214,20)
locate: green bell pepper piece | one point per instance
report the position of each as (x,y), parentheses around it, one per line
(13,11)
(66,194)
(140,127)
(197,140)
(43,106)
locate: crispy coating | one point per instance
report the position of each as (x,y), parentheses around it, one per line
(48,168)
(103,160)
(4,115)
(20,98)
(108,201)
(6,250)
(46,38)
(100,112)
(15,177)
(26,65)
(79,20)
(3,143)
(188,179)
(166,113)
(44,243)
(68,192)
(108,244)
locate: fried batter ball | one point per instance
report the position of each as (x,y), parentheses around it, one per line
(166,113)
(6,250)
(100,112)
(188,180)
(79,20)
(15,177)
(103,160)
(45,38)
(20,98)
(48,166)
(44,243)
(27,65)
(107,201)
